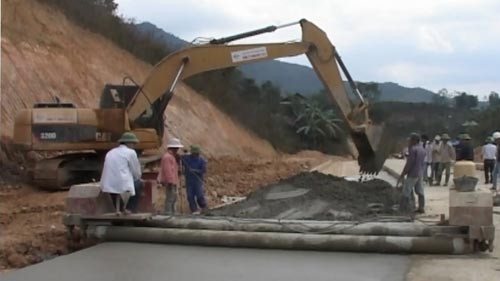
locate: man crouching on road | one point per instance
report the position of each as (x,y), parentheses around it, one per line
(413,171)
(169,174)
(121,174)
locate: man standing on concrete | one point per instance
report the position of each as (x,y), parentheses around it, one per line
(436,159)
(195,167)
(465,151)
(121,174)
(413,171)
(447,156)
(489,153)
(496,170)
(169,174)
(427,145)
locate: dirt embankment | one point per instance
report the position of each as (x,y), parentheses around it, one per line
(44,55)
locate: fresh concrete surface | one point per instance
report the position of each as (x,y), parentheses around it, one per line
(135,261)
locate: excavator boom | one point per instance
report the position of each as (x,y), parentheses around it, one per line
(314,44)
(85,134)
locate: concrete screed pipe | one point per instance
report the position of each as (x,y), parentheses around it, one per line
(291,241)
(298,226)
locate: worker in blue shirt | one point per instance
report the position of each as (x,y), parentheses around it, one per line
(194,168)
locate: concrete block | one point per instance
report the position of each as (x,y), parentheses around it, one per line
(471,208)
(478,198)
(87,199)
(149,197)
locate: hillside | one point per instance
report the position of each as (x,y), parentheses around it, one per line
(293,78)
(45,55)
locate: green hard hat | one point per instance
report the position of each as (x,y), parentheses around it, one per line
(464,137)
(195,149)
(445,137)
(128,137)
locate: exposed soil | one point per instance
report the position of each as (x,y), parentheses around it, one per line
(316,196)
(45,55)
(31,219)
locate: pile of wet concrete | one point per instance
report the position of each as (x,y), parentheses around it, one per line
(316,196)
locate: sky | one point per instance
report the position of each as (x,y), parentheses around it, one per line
(434,44)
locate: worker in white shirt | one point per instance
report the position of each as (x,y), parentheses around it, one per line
(435,159)
(489,153)
(121,175)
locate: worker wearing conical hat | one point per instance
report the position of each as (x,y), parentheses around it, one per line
(465,151)
(195,167)
(447,153)
(121,174)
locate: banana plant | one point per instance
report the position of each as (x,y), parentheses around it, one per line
(316,124)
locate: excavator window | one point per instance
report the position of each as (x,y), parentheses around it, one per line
(54,105)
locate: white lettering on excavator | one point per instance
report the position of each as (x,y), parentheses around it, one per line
(249,54)
(102,136)
(48,135)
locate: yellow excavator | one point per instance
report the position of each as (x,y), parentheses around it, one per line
(84,135)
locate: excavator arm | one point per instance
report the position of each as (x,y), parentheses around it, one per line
(314,44)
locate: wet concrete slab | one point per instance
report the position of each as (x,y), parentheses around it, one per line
(135,261)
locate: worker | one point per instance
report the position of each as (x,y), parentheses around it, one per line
(436,159)
(427,145)
(447,157)
(496,170)
(465,151)
(121,174)
(169,174)
(489,153)
(413,170)
(194,167)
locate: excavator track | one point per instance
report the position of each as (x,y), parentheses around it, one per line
(61,172)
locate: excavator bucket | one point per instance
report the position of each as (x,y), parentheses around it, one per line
(373,148)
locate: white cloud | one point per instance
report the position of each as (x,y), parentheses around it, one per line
(427,43)
(430,39)
(410,73)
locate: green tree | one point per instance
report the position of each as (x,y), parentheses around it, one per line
(442,97)
(494,99)
(369,90)
(271,96)
(465,101)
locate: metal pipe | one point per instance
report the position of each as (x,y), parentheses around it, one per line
(290,241)
(178,75)
(267,29)
(353,85)
(257,225)
(287,24)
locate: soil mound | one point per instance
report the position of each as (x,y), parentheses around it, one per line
(312,195)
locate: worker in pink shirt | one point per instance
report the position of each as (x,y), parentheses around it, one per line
(169,174)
